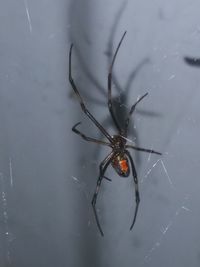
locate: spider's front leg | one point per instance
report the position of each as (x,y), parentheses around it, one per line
(131,112)
(102,169)
(82,104)
(110,106)
(137,195)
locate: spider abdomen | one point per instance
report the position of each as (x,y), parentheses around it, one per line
(121,165)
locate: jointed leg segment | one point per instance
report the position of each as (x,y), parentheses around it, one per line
(110,107)
(85,110)
(103,166)
(131,112)
(137,195)
(144,149)
(90,139)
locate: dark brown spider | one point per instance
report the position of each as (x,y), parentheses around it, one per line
(119,157)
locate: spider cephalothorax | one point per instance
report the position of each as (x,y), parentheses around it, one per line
(119,157)
(118,142)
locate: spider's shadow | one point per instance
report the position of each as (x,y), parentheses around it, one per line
(120,102)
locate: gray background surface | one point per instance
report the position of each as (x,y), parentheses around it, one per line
(48,174)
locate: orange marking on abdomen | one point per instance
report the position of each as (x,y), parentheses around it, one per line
(123,165)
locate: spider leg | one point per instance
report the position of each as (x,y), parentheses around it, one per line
(83,107)
(144,150)
(110,107)
(137,195)
(89,139)
(102,168)
(108,179)
(131,112)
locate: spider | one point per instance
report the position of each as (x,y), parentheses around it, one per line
(119,157)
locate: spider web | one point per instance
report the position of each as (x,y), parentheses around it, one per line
(182,207)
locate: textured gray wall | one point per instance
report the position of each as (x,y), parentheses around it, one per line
(48,174)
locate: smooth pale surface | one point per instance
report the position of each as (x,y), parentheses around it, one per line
(48,174)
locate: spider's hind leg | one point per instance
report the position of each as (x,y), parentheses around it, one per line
(102,168)
(108,179)
(137,195)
